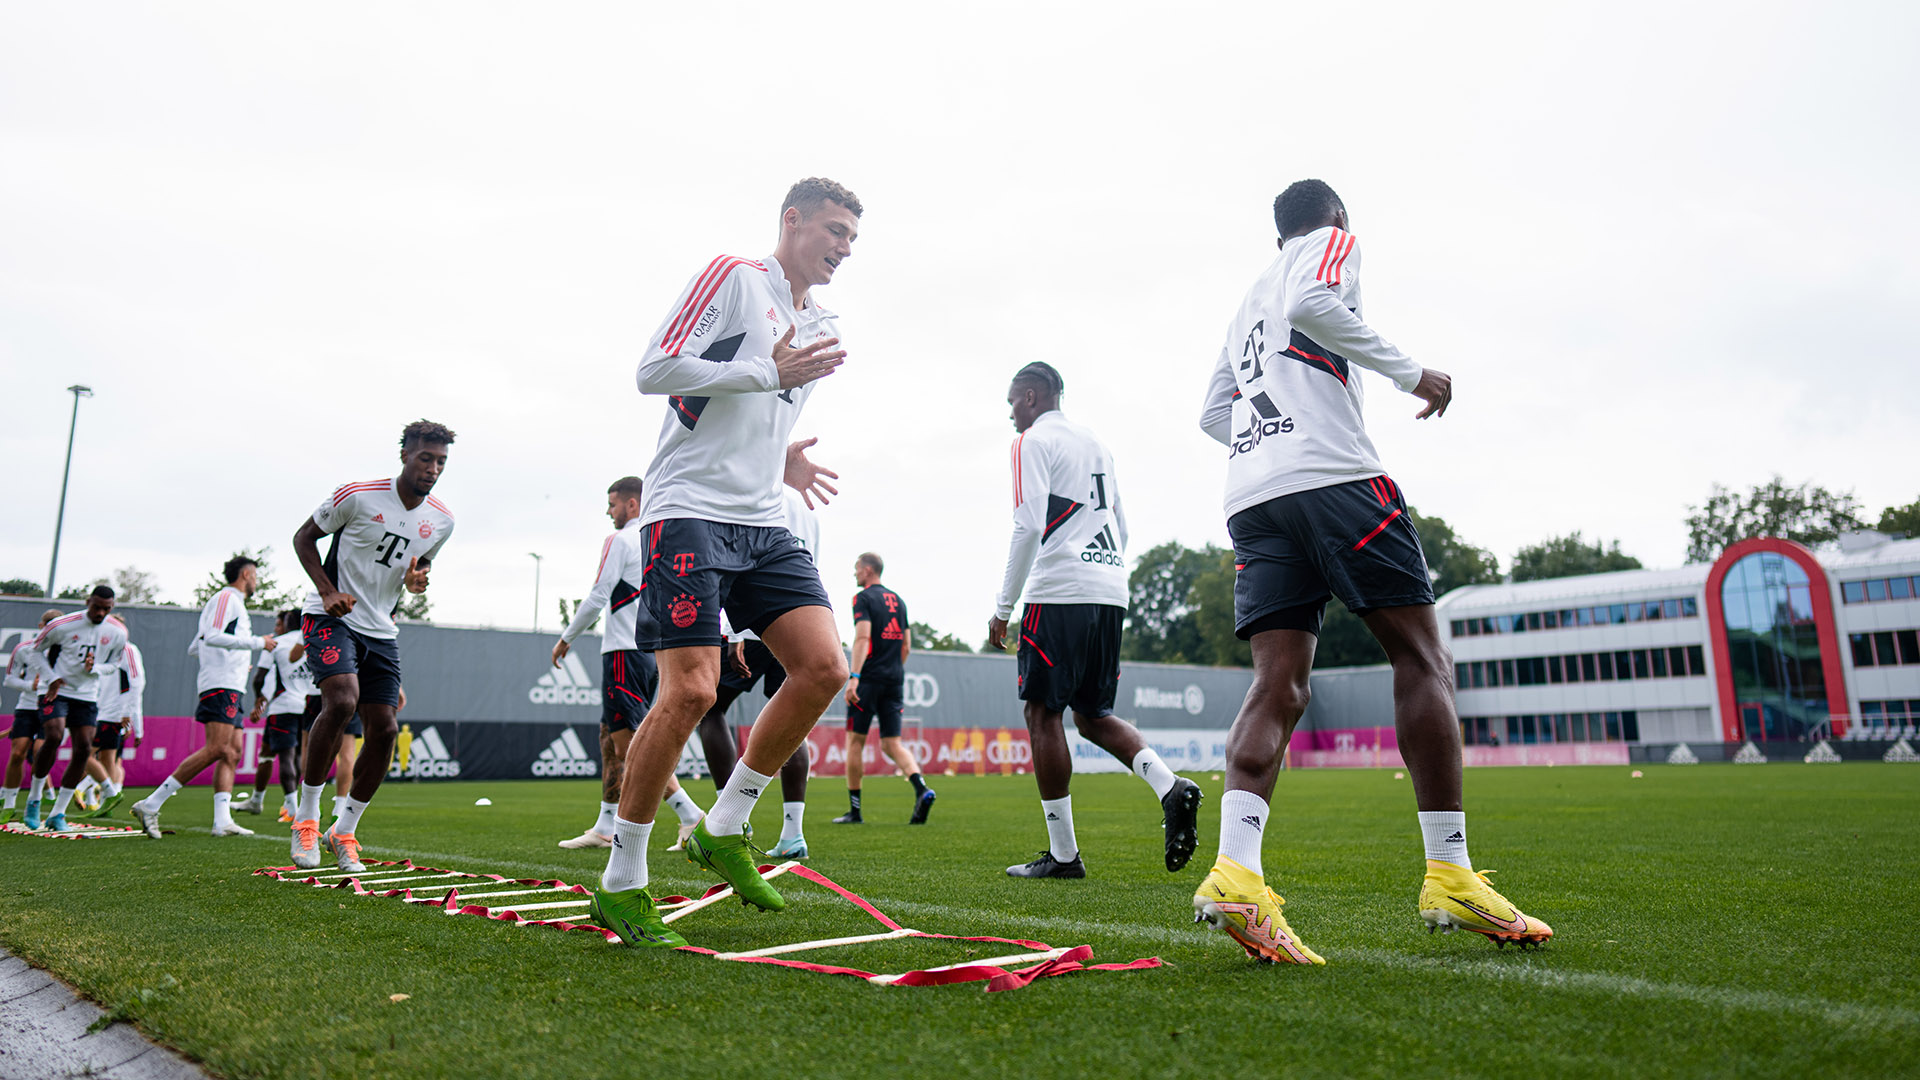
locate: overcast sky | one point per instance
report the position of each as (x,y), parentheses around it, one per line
(1656,246)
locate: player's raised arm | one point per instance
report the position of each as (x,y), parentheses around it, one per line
(697,349)
(1315,309)
(1216,412)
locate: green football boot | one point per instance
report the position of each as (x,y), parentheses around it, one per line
(732,857)
(8,814)
(106,808)
(632,915)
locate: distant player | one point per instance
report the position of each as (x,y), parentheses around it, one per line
(222,645)
(287,663)
(745,660)
(122,723)
(627,673)
(83,650)
(386,534)
(1313,515)
(26,672)
(1068,557)
(737,358)
(877,688)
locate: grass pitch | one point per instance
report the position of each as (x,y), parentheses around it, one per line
(1709,921)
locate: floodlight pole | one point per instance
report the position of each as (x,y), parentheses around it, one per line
(535,556)
(60,520)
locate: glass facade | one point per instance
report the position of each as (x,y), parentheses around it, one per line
(1773,647)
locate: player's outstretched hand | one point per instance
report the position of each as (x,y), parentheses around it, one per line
(997,633)
(805,477)
(269,643)
(53,689)
(337,604)
(798,367)
(560,650)
(853,693)
(417,575)
(1436,389)
(739,654)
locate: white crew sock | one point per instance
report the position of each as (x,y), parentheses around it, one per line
(108,789)
(627,862)
(290,802)
(6,801)
(1059,815)
(1243,822)
(309,802)
(61,800)
(39,788)
(730,811)
(85,783)
(684,807)
(168,789)
(350,811)
(1445,833)
(603,825)
(338,802)
(793,819)
(1148,766)
(223,808)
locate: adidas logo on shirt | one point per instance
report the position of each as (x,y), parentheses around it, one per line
(568,684)
(1103,549)
(566,756)
(429,758)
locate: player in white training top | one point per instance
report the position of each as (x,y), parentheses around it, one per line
(122,724)
(1069,558)
(736,358)
(1313,515)
(385,535)
(83,650)
(628,677)
(27,672)
(286,664)
(222,646)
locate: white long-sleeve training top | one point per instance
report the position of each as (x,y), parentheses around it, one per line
(1284,396)
(27,672)
(723,442)
(616,589)
(1069,533)
(223,642)
(123,694)
(81,652)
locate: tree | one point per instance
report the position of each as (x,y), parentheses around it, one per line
(1894,521)
(1569,556)
(267,595)
(1160,612)
(81,592)
(1211,599)
(566,613)
(926,637)
(1345,640)
(132,585)
(414,606)
(1452,561)
(1807,514)
(21,587)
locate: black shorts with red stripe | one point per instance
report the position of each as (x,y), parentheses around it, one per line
(1353,540)
(630,678)
(1070,656)
(219,707)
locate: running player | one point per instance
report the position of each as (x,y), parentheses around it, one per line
(343,755)
(222,646)
(122,718)
(627,674)
(287,663)
(878,687)
(27,673)
(1313,515)
(737,358)
(386,534)
(745,661)
(1070,535)
(81,649)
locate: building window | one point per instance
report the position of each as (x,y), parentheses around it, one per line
(1909,645)
(1899,588)
(1876,590)
(1853,592)
(1696,660)
(1677,660)
(1606,667)
(1773,647)
(1589,669)
(1659,663)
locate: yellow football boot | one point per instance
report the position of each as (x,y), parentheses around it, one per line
(1454,897)
(1236,901)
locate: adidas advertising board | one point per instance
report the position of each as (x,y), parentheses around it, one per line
(566,756)
(568,684)
(427,758)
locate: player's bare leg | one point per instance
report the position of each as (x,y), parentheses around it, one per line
(339,696)
(1424,720)
(716,736)
(1282,662)
(856,772)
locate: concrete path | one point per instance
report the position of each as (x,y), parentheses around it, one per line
(43,1035)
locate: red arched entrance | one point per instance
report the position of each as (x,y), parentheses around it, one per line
(1735,712)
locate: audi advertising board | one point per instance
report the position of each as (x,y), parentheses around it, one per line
(484,704)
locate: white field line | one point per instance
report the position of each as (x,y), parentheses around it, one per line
(1531,970)
(823,943)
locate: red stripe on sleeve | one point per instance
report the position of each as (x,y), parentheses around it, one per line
(1341,260)
(604,549)
(1327,256)
(687,309)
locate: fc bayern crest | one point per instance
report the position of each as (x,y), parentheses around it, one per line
(684,611)
(426,529)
